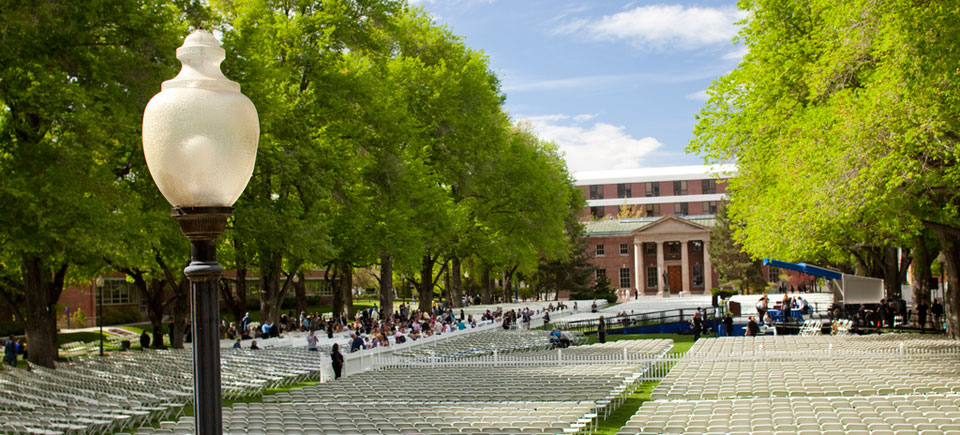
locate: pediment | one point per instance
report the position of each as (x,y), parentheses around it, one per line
(671,225)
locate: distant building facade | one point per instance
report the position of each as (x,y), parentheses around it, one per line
(649,228)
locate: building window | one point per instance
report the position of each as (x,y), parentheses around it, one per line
(774,274)
(596,212)
(596,192)
(653,189)
(650,248)
(625,278)
(651,210)
(624,191)
(673,247)
(600,250)
(711,207)
(116,292)
(681,208)
(601,272)
(651,277)
(317,287)
(680,187)
(709,186)
(624,249)
(698,275)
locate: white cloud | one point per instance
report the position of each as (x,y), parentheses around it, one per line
(700,95)
(736,54)
(592,146)
(514,84)
(660,26)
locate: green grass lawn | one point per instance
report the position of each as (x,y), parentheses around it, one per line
(612,424)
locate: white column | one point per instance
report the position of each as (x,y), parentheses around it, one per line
(707,268)
(685,267)
(637,266)
(661,286)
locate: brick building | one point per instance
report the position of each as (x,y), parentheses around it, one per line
(665,214)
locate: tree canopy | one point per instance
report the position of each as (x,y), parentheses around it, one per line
(842,119)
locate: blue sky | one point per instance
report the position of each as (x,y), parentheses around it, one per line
(615,83)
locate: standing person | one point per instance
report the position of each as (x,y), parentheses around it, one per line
(785,304)
(312,342)
(762,306)
(922,315)
(937,311)
(10,351)
(602,330)
(752,328)
(144,340)
(245,321)
(336,359)
(728,325)
(697,325)
(237,345)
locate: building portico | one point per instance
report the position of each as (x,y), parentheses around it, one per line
(681,258)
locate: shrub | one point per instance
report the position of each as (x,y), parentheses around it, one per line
(119,316)
(724,293)
(8,328)
(78,319)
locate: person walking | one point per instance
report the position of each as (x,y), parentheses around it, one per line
(10,351)
(602,330)
(922,315)
(752,328)
(728,325)
(697,325)
(937,310)
(336,358)
(312,342)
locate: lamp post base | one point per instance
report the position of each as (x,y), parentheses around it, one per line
(203,226)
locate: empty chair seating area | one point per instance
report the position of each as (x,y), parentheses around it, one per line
(105,395)
(477,384)
(824,344)
(889,384)
(386,417)
(801,415)
(480,343)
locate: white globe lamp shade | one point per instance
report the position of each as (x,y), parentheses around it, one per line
(200,133)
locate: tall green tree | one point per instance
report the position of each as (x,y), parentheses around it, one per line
(288,59)
(74,78)
(734,267)
(842,120)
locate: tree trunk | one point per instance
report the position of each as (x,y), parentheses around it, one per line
(346,289)
(425,299)
(950,245)
(235,297)
(153,293)
(335,290)
(922,259)
(891,273)
(456,285)
(270,297)
(447,291)
(42,290)
(507,283)
(181,311)
(486,291)
(300,290)
(386,285)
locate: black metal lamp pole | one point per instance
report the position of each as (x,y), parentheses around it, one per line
(203,226)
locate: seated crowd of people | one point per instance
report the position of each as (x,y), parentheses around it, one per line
(370,329)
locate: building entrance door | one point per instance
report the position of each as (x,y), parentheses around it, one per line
(675,278)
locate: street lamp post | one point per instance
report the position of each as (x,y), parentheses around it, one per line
(200,142)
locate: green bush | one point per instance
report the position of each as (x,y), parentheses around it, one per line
(7,328)
(609,297)
(724,293)
(119,316)
(78,319)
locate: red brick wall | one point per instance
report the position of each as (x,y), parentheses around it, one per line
(612,261)
(81,297)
